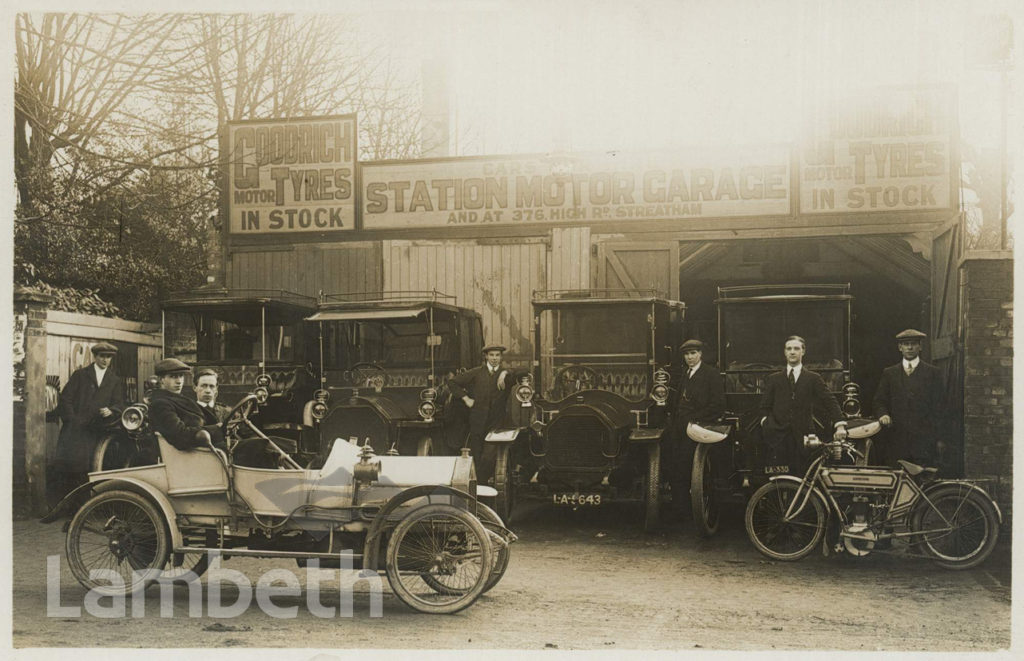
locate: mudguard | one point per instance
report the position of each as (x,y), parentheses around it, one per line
(967,483)
(371,547)
(505,435)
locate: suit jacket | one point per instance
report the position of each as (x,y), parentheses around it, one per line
(914,402)
(179,419)
(78,408)
(489,402)
(701,397)
(790,410)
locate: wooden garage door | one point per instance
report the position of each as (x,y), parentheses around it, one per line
(639,265)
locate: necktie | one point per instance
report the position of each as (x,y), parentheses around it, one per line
(792,378)
(909,369)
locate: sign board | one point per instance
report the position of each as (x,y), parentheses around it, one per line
(617,187)
(291,175)
(885,150)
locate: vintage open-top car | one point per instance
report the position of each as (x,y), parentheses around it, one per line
(753,323)
(386,358)
(251,338)
(417,518)
(594,410)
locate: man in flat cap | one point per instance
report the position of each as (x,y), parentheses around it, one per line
(178,418)
(908,402)
(484,390)
(701,400)
(92,398)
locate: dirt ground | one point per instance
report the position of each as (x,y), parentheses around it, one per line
(582,580)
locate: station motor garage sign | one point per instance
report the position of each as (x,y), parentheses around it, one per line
(291,175)
(621,187)
(885,150)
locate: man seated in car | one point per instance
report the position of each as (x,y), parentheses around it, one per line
(180,419)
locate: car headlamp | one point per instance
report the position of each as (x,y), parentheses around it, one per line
(322,396)
(262,394)
(661,377)
(427,410)
(318,410)
(263,381)
(132,418)
(851,400)
(524,393)
(659,393)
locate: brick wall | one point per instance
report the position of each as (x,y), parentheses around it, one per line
(18,476)
(988,374)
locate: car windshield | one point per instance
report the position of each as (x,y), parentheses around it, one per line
(390,343)
(610,340)
(229,337)
(753,335)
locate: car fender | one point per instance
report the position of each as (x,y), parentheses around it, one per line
(138,486)
(374,536)
(965,483)
(500,436)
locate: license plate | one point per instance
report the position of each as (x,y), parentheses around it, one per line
(775,470)
(576,499)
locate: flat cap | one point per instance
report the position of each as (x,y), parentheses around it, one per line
(103,347)
(493,347)
(170,366)
(910,334)
(692,344)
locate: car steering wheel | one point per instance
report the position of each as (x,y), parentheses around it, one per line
(359,373)
(239,413)
(573,378)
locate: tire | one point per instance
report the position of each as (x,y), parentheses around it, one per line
(504,484)
(502,553)
(109,454)
(197,563)
(652,487)
(974,523)
(779,539)
(120,531)
(425,447)
(447,544)
(703,499)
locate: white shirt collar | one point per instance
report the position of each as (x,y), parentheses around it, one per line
(99,373)
(795,369)
(693,370)
(911,363)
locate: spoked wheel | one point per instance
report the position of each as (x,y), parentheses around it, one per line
(122,538)
(652,487)
(502,553)
(504,484)
(196,563)
(703,500)
(111,453)
(447,544)
(769,530)
(959,529)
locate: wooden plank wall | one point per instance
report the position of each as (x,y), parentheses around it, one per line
(495,278)
(306,269)
(569,266)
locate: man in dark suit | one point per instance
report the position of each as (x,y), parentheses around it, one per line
(907,402)
(701,400)
(483,389)
(92,398)
(205,380)
(177,418)
(791,399)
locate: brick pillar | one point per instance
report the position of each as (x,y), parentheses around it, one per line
(988,374)
(29,461)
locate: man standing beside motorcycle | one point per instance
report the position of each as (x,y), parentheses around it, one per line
(907,402)
(93,397)
(791,398)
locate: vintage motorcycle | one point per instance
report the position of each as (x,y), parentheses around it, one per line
(953,522)
(415,518)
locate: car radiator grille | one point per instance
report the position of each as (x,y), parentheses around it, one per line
(359,421)
(577,441)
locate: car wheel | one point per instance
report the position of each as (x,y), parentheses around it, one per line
(703,500)
(652,487)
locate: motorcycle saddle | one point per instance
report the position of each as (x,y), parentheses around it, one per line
(914,470)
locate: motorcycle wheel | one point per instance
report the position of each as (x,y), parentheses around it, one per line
(501,549)
(964,523)
(771,534)
(121,533)
(703,500)
(447,544)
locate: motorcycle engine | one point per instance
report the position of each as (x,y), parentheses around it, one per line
(863,543)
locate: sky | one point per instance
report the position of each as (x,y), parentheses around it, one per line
(582,76)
